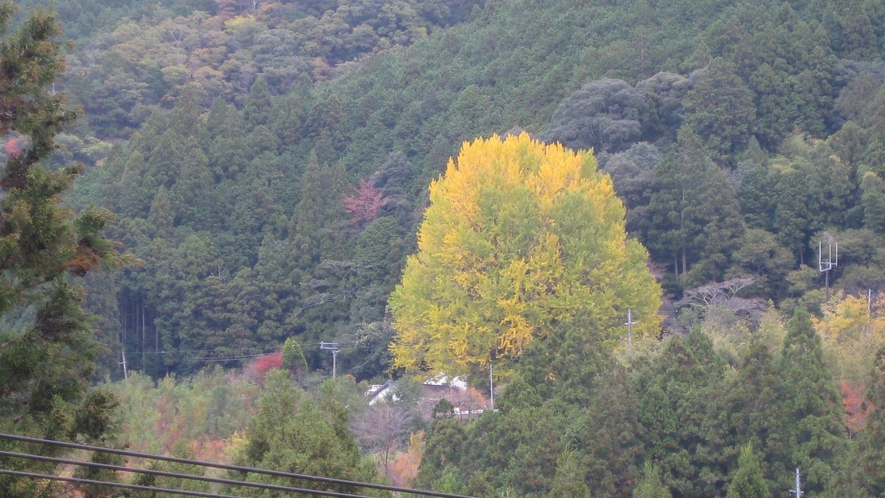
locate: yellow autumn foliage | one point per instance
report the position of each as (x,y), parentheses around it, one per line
(519,237)
(852,330)
(239,21)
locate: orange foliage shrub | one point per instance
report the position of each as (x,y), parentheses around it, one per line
(856,411)
(405,465)
(213,450)
(259,368)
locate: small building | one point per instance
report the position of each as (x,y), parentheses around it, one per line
(378,392)
(468,402)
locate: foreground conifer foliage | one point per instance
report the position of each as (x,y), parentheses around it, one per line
(47,353)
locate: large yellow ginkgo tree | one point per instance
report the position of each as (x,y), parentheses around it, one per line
(519,238)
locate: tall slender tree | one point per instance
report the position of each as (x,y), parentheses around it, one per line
(748,482)
(813,405)
(873,438)
(258,106)
(675,203)
(46,364)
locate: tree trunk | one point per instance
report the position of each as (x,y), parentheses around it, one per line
(684,263)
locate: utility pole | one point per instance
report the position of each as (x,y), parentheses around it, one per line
(826,266)
(142,336)
(630,323)
(491,387)
(333,347)
(798,491)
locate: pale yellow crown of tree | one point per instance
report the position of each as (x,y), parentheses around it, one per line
(519,237)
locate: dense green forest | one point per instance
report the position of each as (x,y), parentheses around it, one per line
(268,164)
(775,103)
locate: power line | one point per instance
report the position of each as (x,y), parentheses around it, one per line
(162,473)
(265,351)
(276,473)
(269,350)
(227,358)
(78,480)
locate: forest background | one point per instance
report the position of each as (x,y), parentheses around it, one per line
(268,164)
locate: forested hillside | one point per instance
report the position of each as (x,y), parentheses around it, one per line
(286,210)
(135,57)
(269,161)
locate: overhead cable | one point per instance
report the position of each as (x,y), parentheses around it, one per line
(237,468)
(162,473)
(139,487)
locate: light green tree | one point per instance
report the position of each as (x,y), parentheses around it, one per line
(748,481)
(293,433)
(651,486)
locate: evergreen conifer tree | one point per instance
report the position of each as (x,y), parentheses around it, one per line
(161,218)
(608,432)
(293,433)
(813,404)
(192,194)
(165,160)
(859,40)
(442,451)
(569,479)
(312,214)
(651,486)
(259,106)
(772,106)
(288,119)
(813,88)
(750,409)
(227,153)
(676,202)
(218,114)
(757,198)
(45,364)
(748,481)
(791,209)
(261,141)
(134,198)
(687,376)
(566,363)
(186,119)
(723,229)
(873,200)
(872,439)
(145,139)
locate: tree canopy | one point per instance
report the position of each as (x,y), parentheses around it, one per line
(520,237)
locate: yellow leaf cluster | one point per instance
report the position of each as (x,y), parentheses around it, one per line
(520,236)
(852,331)
(240,21)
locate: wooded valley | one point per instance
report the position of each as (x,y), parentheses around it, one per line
(210,190)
